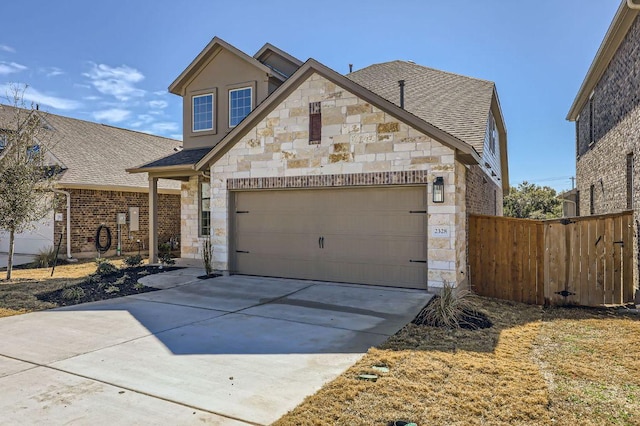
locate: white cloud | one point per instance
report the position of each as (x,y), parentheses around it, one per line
(52,71)
(176,136)
(32,95)
(158,104)
(91,98)
(118,82)
(142,120)
(164,127)
(114,115)
(160,92)
(5,48)
(10,67)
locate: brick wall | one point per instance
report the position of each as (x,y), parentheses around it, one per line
(91,208)
(615,117)
(483,195)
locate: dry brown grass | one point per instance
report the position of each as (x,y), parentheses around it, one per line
(19,295)
(535,366)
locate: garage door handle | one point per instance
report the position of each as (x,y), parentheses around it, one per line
(321,242)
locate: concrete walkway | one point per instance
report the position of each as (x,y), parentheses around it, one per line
(227,351)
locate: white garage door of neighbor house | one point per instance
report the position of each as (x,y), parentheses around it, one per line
(358,235)
(33,241)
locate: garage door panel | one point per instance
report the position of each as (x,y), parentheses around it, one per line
(375,222)
(276,266)
(370,235)
(288,245)
(256,221)
(367,248)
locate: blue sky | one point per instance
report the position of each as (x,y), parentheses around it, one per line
(112,61)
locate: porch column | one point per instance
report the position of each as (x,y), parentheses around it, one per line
(153,219)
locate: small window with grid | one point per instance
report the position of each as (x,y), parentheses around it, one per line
(315,123)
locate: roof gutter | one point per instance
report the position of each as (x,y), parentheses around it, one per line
(68,195)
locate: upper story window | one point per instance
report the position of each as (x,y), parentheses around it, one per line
(493,134)
(202,112)
(592,138)
(3,141)
(239,105)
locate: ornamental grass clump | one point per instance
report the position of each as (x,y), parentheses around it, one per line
(451,309)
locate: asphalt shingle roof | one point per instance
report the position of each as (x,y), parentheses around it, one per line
(454,103)
(184,157)
(98,154)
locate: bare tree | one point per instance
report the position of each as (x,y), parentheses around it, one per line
(27,175)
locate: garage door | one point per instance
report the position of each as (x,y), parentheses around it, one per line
(364,235)
(32,241)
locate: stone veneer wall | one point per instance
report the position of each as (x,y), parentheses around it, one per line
(190,239)
(92,208)
(357,138)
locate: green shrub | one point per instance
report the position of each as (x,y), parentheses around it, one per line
(123,279)
(133,261)
(105,267)
(73,293)
(448,309)
(138,286)
(112,289)
(45,258)
(166,259)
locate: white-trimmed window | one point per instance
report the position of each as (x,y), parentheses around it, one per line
(240,101)
(205,209)
(202,112)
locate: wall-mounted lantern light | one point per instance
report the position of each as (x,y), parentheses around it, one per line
(438,190)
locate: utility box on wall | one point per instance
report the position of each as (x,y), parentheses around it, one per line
(134,219)
(122,218)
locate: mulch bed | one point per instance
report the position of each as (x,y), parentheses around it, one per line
(123,282)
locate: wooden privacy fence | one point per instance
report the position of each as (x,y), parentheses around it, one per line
(584,261)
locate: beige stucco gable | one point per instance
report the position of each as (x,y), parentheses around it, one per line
(360,145)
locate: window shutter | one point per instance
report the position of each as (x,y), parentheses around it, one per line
(315,123)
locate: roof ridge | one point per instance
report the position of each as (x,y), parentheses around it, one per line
(46,113)
(411,63)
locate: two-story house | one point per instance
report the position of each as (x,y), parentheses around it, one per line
(606,112)
(294,170)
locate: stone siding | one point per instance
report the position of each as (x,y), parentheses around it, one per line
(190,239)
(357,138)
(92,208)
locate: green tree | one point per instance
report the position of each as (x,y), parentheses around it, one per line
(530,201)
(27,177)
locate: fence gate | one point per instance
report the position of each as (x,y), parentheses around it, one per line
(582,261)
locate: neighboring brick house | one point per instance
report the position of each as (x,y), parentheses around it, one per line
(294,170)
(607,116)
(93,158)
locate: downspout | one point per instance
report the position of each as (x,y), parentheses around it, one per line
(633,5)
(68,195)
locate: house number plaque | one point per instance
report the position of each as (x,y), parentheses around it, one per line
(440,232)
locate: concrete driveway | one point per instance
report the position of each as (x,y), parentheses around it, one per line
(18,259)
(227,351)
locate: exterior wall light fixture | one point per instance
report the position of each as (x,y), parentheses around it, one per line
(438,190)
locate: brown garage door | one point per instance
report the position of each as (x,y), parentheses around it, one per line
(364,235)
